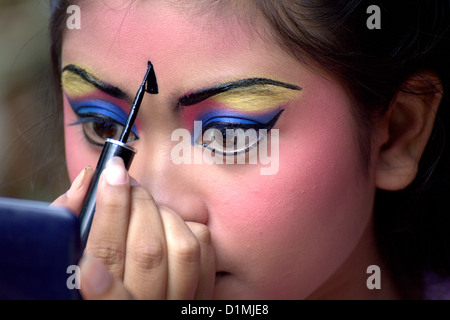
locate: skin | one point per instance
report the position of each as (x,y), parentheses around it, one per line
(213,231)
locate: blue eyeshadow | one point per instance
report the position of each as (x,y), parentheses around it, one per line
(241,117)
(102,108)
(233,119)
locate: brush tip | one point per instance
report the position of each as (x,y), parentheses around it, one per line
(152,84)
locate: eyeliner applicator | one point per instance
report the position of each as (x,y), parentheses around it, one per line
(115,148)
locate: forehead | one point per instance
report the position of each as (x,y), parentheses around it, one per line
(126,34)
(160,24)
(190,49)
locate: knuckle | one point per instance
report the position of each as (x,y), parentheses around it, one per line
(187,250)
(148,255)
(109,253)
(201,232)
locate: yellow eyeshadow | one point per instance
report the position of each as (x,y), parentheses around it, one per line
(256,98)
(74,85)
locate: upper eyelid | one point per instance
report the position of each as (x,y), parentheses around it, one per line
(269,124)
(111,109)
(241,119)
(92,117)
(259,118)
(248,103)
(108,115)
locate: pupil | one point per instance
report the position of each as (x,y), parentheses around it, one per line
(105,129)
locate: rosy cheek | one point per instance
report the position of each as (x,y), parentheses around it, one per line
(79,153)
(312,211)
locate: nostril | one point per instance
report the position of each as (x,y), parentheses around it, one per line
(221,274)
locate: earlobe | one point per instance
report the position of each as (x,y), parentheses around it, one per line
(407,128)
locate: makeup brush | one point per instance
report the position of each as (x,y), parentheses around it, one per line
(115,148)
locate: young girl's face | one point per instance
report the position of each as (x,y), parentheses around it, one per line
(279,233)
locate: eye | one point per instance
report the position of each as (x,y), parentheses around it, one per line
(101,119)
(97,128)
(231,136)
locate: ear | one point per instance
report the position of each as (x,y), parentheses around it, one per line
(405,129)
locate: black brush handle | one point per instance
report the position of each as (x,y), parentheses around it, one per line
(112,148)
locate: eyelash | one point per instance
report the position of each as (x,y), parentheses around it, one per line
(218,129)
(93,123)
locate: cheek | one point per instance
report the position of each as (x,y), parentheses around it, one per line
(295,228)
(79,152)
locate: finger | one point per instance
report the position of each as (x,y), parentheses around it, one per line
(146,259)
(97,283)
(108,234)
(183,251)
(207,277)
(73,199)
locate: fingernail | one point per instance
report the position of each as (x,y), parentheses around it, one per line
(95,278)
(79,181)
(115,172)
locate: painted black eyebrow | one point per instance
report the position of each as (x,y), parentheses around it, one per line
(96,82)
(203,94)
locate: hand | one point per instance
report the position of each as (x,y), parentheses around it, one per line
(137,249)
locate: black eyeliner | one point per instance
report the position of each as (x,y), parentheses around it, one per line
(115,148)
(230,125)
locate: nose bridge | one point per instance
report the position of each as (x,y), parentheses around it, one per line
(174,186)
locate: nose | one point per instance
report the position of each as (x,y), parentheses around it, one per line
(177,187)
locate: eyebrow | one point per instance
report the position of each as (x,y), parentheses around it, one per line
(203,94)
(96,82)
